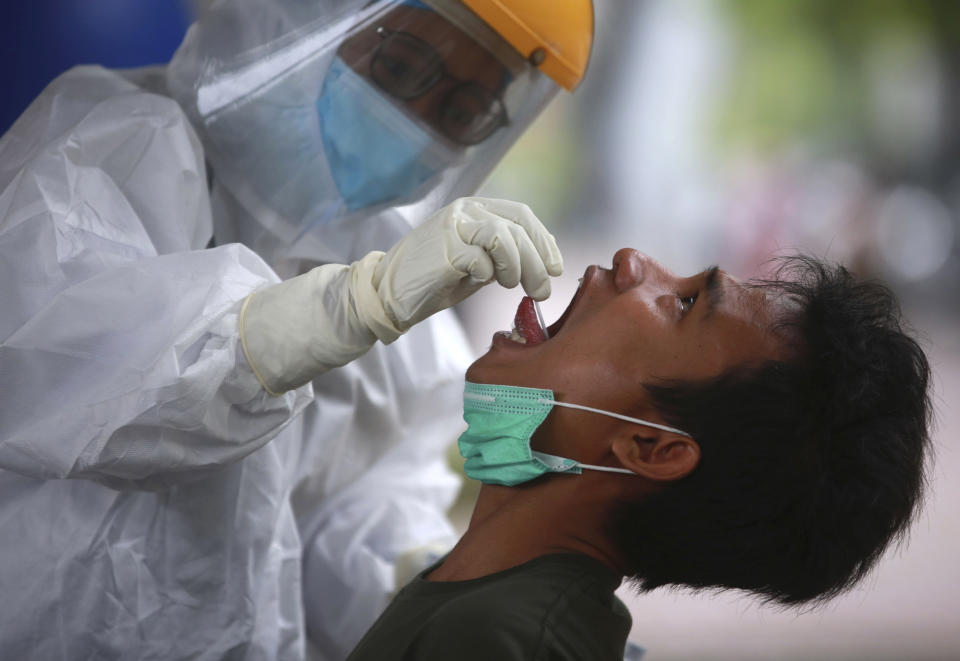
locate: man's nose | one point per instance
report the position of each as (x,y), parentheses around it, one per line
(628,268)
(631,268)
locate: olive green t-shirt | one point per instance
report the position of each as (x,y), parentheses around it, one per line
(554,607)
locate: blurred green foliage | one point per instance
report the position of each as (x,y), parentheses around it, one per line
(801,67)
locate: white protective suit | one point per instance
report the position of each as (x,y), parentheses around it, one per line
(155,501)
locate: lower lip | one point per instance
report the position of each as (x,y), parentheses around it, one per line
(501,340)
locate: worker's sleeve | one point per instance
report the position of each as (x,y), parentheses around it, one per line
(119,351)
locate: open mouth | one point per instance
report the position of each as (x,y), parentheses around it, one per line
(529,328)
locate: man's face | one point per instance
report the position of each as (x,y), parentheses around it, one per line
(461,59)
(636,324)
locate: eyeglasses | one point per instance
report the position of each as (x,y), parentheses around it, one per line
(406,67)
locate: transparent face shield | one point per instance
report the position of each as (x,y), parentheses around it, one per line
(353,112)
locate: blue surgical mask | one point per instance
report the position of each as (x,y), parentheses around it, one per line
(375,151)
(501,420)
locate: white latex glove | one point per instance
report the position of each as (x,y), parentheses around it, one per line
(300,328)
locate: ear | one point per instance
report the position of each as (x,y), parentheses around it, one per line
(658,455)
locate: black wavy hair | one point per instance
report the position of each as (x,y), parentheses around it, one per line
(809,468)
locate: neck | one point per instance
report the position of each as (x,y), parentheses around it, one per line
(512,525)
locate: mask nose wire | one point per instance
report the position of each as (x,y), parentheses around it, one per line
(615,415)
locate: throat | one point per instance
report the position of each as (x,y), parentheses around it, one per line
(509,529)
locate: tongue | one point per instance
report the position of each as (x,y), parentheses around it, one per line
(527,324)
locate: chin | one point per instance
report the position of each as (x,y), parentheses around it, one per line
(490,368)
(496,369)
(477,370)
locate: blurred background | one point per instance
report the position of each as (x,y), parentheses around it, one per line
(712,131)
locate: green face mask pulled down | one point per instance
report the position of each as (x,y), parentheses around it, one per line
(500,421)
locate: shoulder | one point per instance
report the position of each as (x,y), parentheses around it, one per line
(551,609)
(476,628)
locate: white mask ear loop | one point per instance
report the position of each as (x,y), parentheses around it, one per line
(606,469)
(611,469)
(615,415)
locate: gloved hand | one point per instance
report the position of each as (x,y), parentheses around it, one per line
(300,328)
(460,249)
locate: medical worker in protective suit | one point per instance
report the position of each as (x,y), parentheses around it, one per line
(228,372)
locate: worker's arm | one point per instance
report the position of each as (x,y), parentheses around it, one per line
(120,356)
(296,330)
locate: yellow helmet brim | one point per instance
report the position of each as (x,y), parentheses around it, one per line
(554,35)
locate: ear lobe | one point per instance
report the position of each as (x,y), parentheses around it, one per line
(657,455)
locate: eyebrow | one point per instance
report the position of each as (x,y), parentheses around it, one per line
(712,288)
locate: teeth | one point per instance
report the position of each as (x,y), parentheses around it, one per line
(580,280)
(517,337)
